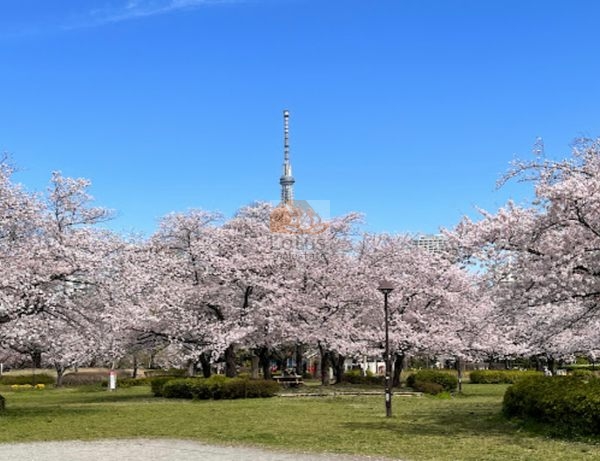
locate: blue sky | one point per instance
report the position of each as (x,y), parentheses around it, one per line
(407,111)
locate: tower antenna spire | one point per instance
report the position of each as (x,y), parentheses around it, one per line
(286,136)
(287,180)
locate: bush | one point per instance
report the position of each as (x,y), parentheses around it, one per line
(156,384)
(357,377)
(575,366)
(84,378)
(216,387)
(32,380)
(422,381)
(584,374)
(131,382)
(500,376)
(178,388)
(251,388)
(570,404)
(428,387)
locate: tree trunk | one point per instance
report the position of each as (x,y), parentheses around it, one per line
(300,359)
(552,365)
(151,360)
(398,364)
(36,359)
(135,366)
(264,359)
(60,373)
(459,369)
(205,364)
(191,367)
(230,365)
(338,367)
(325,364)
(255,361)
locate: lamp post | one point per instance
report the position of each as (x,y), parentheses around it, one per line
(386,288)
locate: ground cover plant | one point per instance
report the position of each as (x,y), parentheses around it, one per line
(469,427)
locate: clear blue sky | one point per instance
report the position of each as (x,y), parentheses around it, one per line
(408,111)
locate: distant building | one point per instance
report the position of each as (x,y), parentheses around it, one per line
(434,243)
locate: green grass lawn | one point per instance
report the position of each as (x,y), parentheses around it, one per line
(468,427)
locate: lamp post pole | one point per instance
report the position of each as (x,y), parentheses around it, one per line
(386,288)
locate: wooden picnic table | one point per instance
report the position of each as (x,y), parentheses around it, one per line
(289,380)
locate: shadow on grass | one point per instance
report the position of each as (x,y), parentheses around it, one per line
(458,422)
(46,412)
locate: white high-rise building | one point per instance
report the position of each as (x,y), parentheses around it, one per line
(434,243)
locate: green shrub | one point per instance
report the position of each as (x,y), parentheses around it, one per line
(84,378)
(418,380)
(428,387)
(583,373)
(178,388)
(156,384)
(216,387)
(357,377)
(132,382)
(576,366)
(237,388)
(569,404)
(31,379)
(500,376)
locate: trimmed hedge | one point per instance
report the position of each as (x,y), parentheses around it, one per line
(131,382)
(30,379)
(573,367)
(216,387)
(156,384)
(432,381)
(570,404)
(585,374)
(500,376)
(356,377)
(85,378)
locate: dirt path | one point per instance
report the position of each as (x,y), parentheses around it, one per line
(150,450)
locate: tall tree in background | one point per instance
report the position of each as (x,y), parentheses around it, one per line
(541,263)
(433,308)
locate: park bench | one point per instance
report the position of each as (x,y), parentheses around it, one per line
(289,380)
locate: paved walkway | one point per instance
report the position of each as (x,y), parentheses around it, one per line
(150,450)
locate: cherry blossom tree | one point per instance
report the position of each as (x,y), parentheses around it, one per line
(180,306)
(20,215)
(434,308)
(540,261)
(254,284)
(56,342)
(323,281)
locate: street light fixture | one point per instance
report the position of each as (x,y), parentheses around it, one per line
(386,288)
